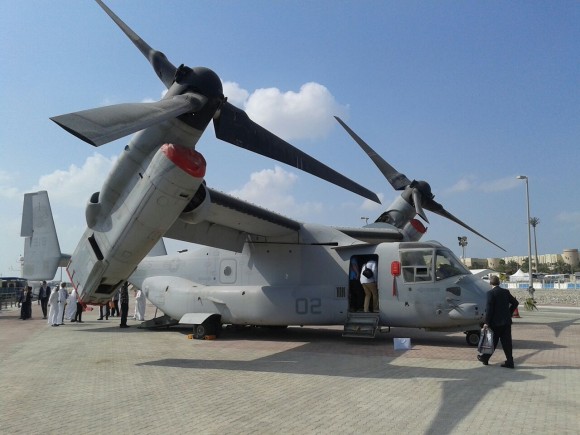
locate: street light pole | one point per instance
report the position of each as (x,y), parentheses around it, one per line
(531,284)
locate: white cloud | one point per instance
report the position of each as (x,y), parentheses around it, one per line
(306,114)
(462,185)
(7,190)
(74,186)
(236,95)
(502,184)
(270,188)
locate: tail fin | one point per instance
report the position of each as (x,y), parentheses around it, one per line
(42,254)
(158,250)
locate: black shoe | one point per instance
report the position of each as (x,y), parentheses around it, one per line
(73,321)
(483,360)
(508,365)
(124,326)
(100,318)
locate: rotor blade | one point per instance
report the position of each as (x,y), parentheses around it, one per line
(164,69)
(417,201)
(398,180)
(105,124)
(437,208)
(234,126)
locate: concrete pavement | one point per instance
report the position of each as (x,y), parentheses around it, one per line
(96,378)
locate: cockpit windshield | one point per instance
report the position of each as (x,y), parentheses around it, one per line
(448,265)
(428,264)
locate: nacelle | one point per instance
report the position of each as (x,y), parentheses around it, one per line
(118,240)
(198,208)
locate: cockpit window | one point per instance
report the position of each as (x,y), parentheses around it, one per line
(448,265)
(417,265)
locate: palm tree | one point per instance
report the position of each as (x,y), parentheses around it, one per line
(534,221)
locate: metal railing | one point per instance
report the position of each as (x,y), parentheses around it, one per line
(9,299)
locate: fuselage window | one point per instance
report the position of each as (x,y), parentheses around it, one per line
(417,265)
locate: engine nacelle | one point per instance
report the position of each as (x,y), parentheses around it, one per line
(198,208)
(413,231)
(117,240)
(93,210)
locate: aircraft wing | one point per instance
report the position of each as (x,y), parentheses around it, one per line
(373,235)
(229,221)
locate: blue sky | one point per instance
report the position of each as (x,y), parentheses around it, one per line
(465,95)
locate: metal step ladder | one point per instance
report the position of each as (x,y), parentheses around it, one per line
(361,325)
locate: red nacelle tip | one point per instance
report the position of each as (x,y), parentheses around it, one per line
(189,160)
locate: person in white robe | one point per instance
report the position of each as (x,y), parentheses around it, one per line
(140,302)
(71,305)
(53,304)
(62,297)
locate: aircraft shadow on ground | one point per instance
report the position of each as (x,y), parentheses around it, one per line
(319,357)
(557,327)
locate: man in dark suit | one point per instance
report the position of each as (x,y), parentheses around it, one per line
(43,295)
(498,317)
(124,299)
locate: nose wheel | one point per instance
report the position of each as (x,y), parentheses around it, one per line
(472,337)
(210,328)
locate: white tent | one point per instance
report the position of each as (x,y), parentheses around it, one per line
(520,276)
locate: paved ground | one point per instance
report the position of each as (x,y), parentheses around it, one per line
(96,378)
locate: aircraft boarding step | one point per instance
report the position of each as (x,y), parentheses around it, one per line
(361,325)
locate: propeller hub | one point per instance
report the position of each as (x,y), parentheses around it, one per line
(200,79)
(424,188)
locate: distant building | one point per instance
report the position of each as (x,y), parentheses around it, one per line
(476,263)
(568,256)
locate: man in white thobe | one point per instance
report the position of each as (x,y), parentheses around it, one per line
(62,297)
(53,304)
(71,306)
(140,301)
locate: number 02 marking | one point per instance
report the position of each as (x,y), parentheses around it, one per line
(308,306)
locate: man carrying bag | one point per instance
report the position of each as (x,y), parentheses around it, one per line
(498,317)
(485,346)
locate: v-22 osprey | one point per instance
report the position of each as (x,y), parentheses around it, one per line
(253,266)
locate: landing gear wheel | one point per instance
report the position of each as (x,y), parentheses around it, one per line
(199,332)
(472,337)
(211,326)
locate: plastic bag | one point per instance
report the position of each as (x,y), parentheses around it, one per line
(485,346)
(402,343)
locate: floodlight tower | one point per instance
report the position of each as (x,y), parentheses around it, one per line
(463,244)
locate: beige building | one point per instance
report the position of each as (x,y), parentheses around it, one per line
(569,256)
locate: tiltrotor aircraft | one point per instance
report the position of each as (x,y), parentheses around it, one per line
(253,266)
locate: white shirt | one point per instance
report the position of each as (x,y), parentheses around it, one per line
(372,265)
